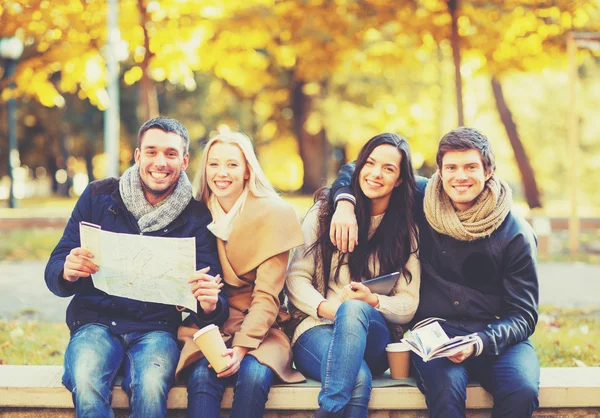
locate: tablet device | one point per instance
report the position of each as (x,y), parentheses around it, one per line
(382,285)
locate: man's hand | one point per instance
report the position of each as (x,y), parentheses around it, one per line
(358,291)
(463,354)
(206,289)
(78,264)
(344,229)
(237,354)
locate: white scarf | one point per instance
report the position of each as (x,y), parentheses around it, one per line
(223,221)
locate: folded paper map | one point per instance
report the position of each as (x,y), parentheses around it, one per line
(140,267)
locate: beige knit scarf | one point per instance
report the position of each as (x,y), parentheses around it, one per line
(479,221)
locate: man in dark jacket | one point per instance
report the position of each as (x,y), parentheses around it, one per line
(479,277)
(111,333)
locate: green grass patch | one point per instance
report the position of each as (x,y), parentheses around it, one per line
(32,342)
(28,244)
(563,338)
(568,338)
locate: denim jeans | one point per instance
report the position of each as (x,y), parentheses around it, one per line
(512,378)
(95,355)
(250,392)
(344,356)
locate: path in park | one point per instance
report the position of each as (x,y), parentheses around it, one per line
(23,291)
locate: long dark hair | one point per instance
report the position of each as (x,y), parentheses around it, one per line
(396,237)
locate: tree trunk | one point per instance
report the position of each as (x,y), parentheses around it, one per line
(52,169)
(455,42)
(530,188)
(88,155)
(148,94)
(64,188)
(314,149)
(442,95)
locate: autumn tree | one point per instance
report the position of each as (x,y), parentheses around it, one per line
(526,36)
(506,36)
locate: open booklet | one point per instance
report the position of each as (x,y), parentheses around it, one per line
(428,340)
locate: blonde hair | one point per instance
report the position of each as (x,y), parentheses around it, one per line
(258,183)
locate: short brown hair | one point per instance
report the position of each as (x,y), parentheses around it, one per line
(168,125)
(464,139)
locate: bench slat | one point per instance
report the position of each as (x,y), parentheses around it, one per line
(41,387)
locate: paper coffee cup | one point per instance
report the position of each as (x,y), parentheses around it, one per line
(209,341)
(399,360)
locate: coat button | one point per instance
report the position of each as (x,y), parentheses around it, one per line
(166,230)
(113,323)
(456,303)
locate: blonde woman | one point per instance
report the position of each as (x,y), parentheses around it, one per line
(255,230)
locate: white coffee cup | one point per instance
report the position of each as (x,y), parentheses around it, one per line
(210,342)
(399,360)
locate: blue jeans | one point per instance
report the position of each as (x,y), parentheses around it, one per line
(512,378)
(250,393)
(344,356)
(95,355)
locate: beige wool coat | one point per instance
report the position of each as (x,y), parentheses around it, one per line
(254,262)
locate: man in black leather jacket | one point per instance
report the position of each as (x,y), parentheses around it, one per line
(479,277)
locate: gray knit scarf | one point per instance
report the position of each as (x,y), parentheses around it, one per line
(485,216)
(152,218)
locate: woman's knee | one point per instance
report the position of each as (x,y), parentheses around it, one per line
(253,374)
(353,309)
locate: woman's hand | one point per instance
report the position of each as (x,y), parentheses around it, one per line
(237,354)
(206,289)
(327,309)
(358,291)
(343,231)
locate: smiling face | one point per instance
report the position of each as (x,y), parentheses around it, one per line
(463,177)
(161,158)
(380,175)
(226,173)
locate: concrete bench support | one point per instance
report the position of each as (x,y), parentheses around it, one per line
(36,391)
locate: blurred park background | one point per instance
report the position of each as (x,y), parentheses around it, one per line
(310,81)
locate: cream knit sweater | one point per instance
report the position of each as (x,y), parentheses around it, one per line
(398,309)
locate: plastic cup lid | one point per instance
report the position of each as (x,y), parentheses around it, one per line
(204,330)
(397,347)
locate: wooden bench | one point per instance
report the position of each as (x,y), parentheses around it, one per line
(36,391)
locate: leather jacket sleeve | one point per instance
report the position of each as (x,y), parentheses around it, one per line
(520,299)
(342,186)
(343,182)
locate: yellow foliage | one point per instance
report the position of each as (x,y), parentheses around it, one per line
(282,164)
(133,75)
(314,123)
(268,130)
(311,89)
